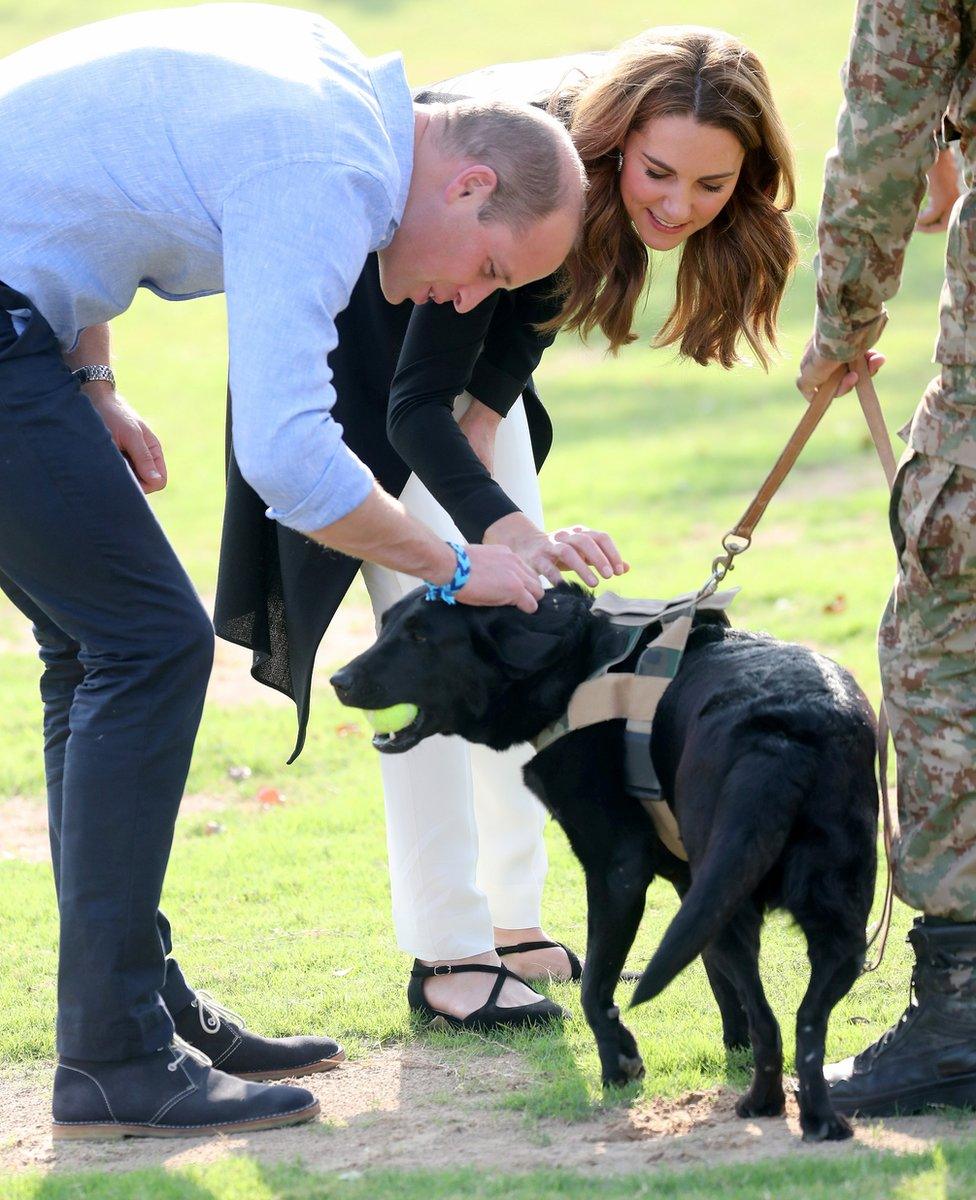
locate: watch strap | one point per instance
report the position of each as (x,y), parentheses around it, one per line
(95,373)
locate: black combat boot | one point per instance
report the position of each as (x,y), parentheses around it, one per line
(929,1056)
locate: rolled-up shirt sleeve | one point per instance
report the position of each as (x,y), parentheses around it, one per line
(295,237)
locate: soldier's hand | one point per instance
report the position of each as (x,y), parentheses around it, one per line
(815,370)
(944,191)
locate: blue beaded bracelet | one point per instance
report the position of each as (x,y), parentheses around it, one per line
(447,591)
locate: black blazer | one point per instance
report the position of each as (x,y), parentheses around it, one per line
(397,370)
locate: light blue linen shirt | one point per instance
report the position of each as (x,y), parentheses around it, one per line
(241,148)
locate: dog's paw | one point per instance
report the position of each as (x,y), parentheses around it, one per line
(628,1044)
(629,1070)
(766,1106)
(632,1065)
(832,1128)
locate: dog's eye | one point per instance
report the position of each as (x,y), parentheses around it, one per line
(415,635)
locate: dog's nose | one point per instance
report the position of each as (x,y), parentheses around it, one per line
(342,682)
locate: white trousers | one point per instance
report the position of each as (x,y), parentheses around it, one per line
(464,834)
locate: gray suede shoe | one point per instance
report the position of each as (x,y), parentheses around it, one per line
(222,1035)
(172,1093)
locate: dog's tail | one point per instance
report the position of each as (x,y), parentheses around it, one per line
(754,814)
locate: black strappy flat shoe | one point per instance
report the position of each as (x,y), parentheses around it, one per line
(489,1016)
(575,966)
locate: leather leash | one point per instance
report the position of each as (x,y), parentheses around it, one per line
(879,434)
(739,538)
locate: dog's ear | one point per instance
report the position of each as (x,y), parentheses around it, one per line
(521,647)
(608,642)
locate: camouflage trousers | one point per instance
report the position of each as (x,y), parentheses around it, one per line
(927,651)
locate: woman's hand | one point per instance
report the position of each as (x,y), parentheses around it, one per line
(479,424)
(574,549)
(133,437)
(944,190)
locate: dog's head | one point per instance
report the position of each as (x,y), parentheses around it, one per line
(491,675)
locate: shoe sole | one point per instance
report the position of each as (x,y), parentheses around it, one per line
(445,1023)
(956,1093)
(109,1131)
(323,1064)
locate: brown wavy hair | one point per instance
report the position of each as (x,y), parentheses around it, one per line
(734,271)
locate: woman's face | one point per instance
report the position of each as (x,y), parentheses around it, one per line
(677,176)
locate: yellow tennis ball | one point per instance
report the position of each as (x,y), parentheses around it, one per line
(392,719)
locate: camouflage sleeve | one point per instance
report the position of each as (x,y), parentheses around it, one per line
(903,59)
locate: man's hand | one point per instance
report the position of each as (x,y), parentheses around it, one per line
(815,370)
(479,424)
(133,437)
(944,191)
(574,549)
(499,576)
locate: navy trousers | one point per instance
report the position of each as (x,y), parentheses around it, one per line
(126,649)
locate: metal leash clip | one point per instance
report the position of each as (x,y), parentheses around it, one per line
(733,543)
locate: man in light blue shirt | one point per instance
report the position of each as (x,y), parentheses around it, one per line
(252,150)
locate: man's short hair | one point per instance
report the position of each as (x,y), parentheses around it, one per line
(538,169)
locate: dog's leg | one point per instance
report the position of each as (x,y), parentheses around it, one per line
(735,1024)
(736,954)
(615,894)
(835,963)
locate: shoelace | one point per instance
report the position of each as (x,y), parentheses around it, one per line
(211,1012)
(941,960)
(889,1035)
(183,1050)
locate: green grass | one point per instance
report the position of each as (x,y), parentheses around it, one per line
(285,914)
(941,1174)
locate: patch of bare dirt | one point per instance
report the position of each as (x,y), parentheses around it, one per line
(412,1107)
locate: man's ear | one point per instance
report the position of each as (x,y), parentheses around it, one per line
(520,648)
(476,180)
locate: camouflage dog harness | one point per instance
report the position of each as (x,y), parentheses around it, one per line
(634,696)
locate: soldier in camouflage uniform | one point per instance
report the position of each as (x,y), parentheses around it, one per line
(909,74)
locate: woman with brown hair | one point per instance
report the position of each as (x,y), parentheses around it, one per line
(684,148)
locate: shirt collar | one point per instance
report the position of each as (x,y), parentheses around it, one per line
(396,103)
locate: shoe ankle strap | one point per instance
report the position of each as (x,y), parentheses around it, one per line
(422,971)
(525,947)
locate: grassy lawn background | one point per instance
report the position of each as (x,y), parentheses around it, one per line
(663,454)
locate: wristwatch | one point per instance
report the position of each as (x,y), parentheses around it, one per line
(95,373)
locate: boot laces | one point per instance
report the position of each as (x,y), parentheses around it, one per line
(211,1012)
(889,1035)
(183,1050)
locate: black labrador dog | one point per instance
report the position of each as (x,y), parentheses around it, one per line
(766,751)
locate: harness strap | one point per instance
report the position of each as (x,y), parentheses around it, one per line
(610,697)
(634,696)
(666,826)
(625,611)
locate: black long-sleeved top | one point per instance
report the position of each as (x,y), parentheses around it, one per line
(490,352)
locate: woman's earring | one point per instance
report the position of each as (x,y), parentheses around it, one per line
(620,161)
